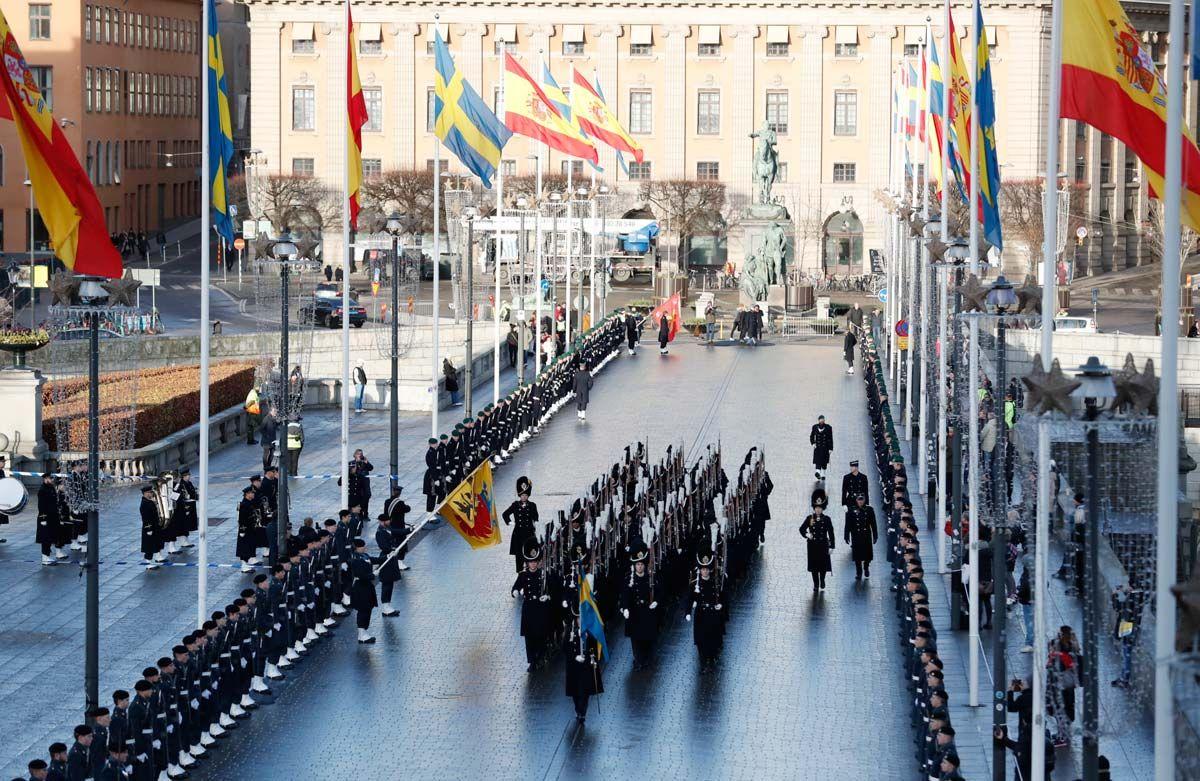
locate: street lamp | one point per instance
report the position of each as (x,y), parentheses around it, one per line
(1096,389)
(581,194)
(556,200)
(469,213)
(605,193)
(395,225)
(522,249)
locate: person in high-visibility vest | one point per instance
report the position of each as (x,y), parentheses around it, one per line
(253,414)
(295,444)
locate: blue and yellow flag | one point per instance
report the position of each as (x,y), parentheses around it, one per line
(462,121)
(589,616)
(989,172)
(220,130)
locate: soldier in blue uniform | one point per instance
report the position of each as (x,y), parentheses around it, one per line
(537,588)
(861,533)
(639,606)
(362,589)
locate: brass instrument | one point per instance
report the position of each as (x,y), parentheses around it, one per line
(165,496)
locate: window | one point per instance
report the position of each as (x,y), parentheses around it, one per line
(430,109)
(87,90)
(1131,167)
(304,108)
(641,49)
(105,90)
(302,166)
(708,172)
(777,111)
(708,112)
(303,41)
(443,166)
(90,165)
(43,76)
(641,111)
(912,50)
(777,49)
(39,22)
(370,47)
(1080,169)
(639,172)
(304,46)
(372,167)
(87,23)
(845,113)
(508,168)
(844,172)
(500,47)
(370,38)
(709,50)
(572,48)
(709,42)
(781,173)
(845,49)
(373,97)
(641,40)
(572,38)
(573,168)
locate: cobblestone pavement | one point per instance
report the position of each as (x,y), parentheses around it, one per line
(808,687)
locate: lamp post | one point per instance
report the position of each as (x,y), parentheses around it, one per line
(603,198)
(955,258)
(395,226)
(556,200)
(469,213)
(581,195)
(522,248)
(1001,298)
(1096,388)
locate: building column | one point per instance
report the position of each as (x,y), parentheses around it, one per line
(268,98)
(1096,229)
(809,174)
(879,133)
(408,96)
(609,36)
(741,107)
(673,105)
(1120,224)
(470,55)
(539,51)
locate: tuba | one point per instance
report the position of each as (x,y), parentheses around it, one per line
(165,496)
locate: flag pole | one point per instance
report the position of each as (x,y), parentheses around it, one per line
(942,282)
(537,257)
(434,396)
(1049,298)
(912,291)
(347,257)
(205,327)
(596,237)
(496,269)
(973,400)
(923,272)
(1168,413)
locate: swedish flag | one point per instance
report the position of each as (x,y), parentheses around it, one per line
(463,121)
(589,616)
(220,129)
(989,174)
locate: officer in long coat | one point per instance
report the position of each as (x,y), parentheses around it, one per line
(583,665)
(389,565)
(362,589)
(706,612)
(431,486)
(582,385)
(860,533)
(537,588)
(184,520)
(524,514)
(249,511)
(639,607)
(817,529)
(47,534)
(152,543)
(821,438)
(854,483)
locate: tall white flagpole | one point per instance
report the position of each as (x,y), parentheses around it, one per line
(537,305)
(1049,297)
(434,396)
(496,269)
(973,390)
(1168,411)
(346,258)
(942,281)
(911,289)
(205,320)
(923,272)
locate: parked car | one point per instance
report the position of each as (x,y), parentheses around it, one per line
(326,309)
(1075,324)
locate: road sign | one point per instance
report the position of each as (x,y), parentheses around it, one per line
(233,210)
(882,295)
(1095,296)
(147,276)
(250,229)
(1081,232)
(902,342)
(374,288)
(239,244)
(902,329)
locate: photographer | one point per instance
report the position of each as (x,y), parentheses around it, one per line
(1020,702)
(1022,749)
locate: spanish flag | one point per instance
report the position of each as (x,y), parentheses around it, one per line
(1110,82)
(356,117)
(66,199)
(598,120)
(529,112)
(471,509)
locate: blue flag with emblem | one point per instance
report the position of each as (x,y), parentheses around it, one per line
(462,121)
(220,130)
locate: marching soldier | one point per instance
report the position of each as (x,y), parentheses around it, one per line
(268,496)
(249,512)
(536,587)
(77,758)
(183,519)
(362,589)
(854,483)
(525,514)
(141,732)
(631,331)
(583,665)
(389,565)
(639,607)
(48,535)
(821,438)
(396,509)
(817,529)
(152,543)
(705,612)
(861,534)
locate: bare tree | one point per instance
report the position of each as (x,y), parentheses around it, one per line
(284,198)
(690,207)
(408,191)
(525,186)
(1152,232)
(808,219)
(1022,213)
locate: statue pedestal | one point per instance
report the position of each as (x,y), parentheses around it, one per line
(748,235)
(21,414)
(776,298)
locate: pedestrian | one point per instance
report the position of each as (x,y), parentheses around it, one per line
(987,441)
(450,375)
(1127,605)
(582,385)
(1065,659)
(1078,544)
(268,432)
(739,325)
(184,520)
(861,533)
(47,533)
(1025,599)
(389,565)
(854,319)
(359,379)
(295,446)
(253,408)
(639,607)
(817,530)
(1022,749)
(362,589)
(849,341)
(536,587)
(152,544)
(524,514)
(328,273)
(248,515)
(705,611)
(710,322)
(821,438)
(510,343)
(664,332)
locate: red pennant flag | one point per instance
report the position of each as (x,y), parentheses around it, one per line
(670,310)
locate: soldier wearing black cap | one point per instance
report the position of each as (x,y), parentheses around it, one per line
(431,485)
(821,438)
(184,520)
(268,497)
(536,587)
(389,565)
(262,545)
(817,530)
(38,769)
(525,515)
(77,767)
(115,766)
(141,729)
(639,606)
(583,665)
(98,750)
(706,612)
(152,544)
(362,589)
(854,483)
(861,533)
(249,515)
(47,534)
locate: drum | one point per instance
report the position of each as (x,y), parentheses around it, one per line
(12,496)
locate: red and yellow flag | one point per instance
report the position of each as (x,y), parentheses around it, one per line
(598,120)
(670,310)
(529,112)
(66,200)
(1109,81)
(356,117)
(471,508)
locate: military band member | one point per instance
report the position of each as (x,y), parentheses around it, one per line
(817,529)
(639,606)
(183,519)
(821,438)
(524,514)
(47,534)
(537,588)
(861,533)
(362,589)
(249,516)
(706,612)
(152,528)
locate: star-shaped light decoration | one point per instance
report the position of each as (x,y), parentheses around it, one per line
(1143,389)
(121,291)
(906,212)
(262,246)
(64,288)
(306,246)
(916,224)
(1048,391)
(937,248)
(1029,296)
(974,295)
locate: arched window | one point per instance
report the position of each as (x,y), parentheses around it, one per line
(843,243)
